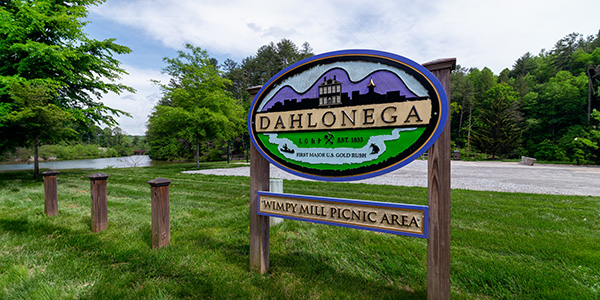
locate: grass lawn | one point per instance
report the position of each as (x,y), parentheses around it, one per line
(504,245)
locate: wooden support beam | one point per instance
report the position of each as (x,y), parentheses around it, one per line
(438,161)
(259,225)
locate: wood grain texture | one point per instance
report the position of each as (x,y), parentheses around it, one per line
(438,244)
(50,195)
(99,201)
(259,225)
(161,226)
(99,205)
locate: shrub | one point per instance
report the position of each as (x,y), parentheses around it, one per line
(547,150)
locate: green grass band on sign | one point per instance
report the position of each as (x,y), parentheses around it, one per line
(406,139)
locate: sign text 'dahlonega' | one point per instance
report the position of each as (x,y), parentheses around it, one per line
(366,116)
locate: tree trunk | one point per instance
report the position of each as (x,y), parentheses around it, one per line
(469,130)
(460,122)
(589,106)
(36,163)
(197,152)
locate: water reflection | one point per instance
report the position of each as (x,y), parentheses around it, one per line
(96,163)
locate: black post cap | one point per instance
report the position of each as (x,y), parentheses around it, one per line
(98,176)
(50,173)
(160,182)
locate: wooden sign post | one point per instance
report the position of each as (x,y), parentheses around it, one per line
(50,193)
(438,169)
(259,225)
(161,228)
(99,202)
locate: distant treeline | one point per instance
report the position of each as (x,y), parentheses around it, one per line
(545,106)
(93,143)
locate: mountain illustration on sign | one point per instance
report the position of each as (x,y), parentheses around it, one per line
(331,90)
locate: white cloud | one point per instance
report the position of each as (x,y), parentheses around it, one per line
(138,104)
(478,33)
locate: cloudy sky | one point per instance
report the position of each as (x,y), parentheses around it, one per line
(477,33)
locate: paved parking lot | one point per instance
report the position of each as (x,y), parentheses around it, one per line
(480,175)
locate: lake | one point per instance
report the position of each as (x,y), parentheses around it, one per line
(96,163)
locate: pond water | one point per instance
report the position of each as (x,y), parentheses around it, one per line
(96,163)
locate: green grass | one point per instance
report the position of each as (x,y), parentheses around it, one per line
(504,245)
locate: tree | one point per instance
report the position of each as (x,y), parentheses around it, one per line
(498,131)
(593,141)
(43,42)
(593,74)
(268,61)
(563,50)
(196,106)
(523,65)
(36,119)
(563,103)
(482,81)
(239,82)
(462,95)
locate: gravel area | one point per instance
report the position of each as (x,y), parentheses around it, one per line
(480,175)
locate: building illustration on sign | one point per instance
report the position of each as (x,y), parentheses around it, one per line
(330,92)
(346,118)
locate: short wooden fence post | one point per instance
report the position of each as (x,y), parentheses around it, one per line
(50,193)
(99,202)
(161,231)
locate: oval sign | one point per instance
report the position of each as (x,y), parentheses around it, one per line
(347,115)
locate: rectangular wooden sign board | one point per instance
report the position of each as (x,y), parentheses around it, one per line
(394,218)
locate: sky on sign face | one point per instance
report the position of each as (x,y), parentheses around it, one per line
(478,33)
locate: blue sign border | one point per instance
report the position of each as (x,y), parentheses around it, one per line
(444,112)
(424,208)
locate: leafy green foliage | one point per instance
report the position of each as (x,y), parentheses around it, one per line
(202,108)
(77,151)
(463,97)
(42,44)
(35,118)
(45,40)
(107,142)
(257,69)
(498,125)
(586,144)
(556,92)
(195,107)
